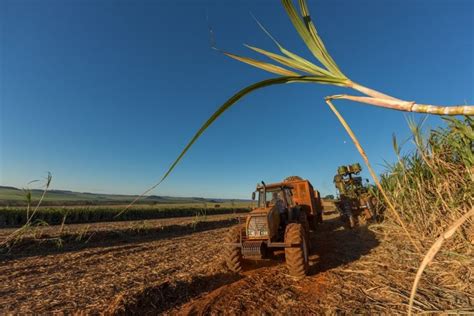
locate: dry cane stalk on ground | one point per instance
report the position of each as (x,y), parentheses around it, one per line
(433,251)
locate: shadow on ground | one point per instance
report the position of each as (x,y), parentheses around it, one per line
(333,245)
(166,296)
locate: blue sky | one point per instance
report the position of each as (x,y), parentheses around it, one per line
(105,94)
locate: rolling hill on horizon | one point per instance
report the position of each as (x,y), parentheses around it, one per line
(13,196)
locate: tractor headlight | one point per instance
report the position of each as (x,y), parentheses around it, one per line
(257,227)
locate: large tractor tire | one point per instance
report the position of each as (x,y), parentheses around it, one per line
(303,220)
(233,254)
(370,213)
(293,178)
(347,215)
(296,257)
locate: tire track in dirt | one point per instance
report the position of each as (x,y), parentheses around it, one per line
(266,290)
(102,235)
(88,280)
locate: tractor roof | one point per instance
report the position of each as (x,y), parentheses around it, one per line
(270,186)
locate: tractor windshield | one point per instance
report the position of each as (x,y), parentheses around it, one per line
(272,196)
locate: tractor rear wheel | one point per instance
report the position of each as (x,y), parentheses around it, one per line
(233,254)
(303,220)
(296,257)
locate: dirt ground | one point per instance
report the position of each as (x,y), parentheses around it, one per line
(182,272)
(54,231)
(85,275)
(266,288)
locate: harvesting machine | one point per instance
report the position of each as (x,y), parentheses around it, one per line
(355,204)
(282,219)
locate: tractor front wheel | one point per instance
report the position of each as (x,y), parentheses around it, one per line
(296,257)
(233,254)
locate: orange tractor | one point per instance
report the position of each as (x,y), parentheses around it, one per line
(282,219)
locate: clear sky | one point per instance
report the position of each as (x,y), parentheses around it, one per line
(105,94)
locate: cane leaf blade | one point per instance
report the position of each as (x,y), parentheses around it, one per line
(263,65)
(289,62)
(314,68)
(239,95)
(312,41)
(314,34)
(223,108)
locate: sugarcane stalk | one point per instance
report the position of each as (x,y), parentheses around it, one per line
(408,106)
(370,92)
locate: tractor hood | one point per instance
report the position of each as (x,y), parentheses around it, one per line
(262,222)
(261,210)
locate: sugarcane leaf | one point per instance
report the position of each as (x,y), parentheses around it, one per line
(316,69)
(289,62)
(314,34)
(236,97)
(306,62)
(224,107)
(311,43)
(324,80)
(263,65)
(239,95)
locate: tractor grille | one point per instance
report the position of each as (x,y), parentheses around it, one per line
(253,249)
(257,227)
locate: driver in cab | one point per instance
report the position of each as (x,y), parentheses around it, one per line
(279,202)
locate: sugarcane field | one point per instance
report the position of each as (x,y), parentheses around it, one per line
(151,165)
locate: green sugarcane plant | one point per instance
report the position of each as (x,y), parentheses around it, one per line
(12,238)
(293,68)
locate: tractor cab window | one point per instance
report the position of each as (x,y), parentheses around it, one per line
(271,198)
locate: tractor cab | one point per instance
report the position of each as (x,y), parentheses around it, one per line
(274,195)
